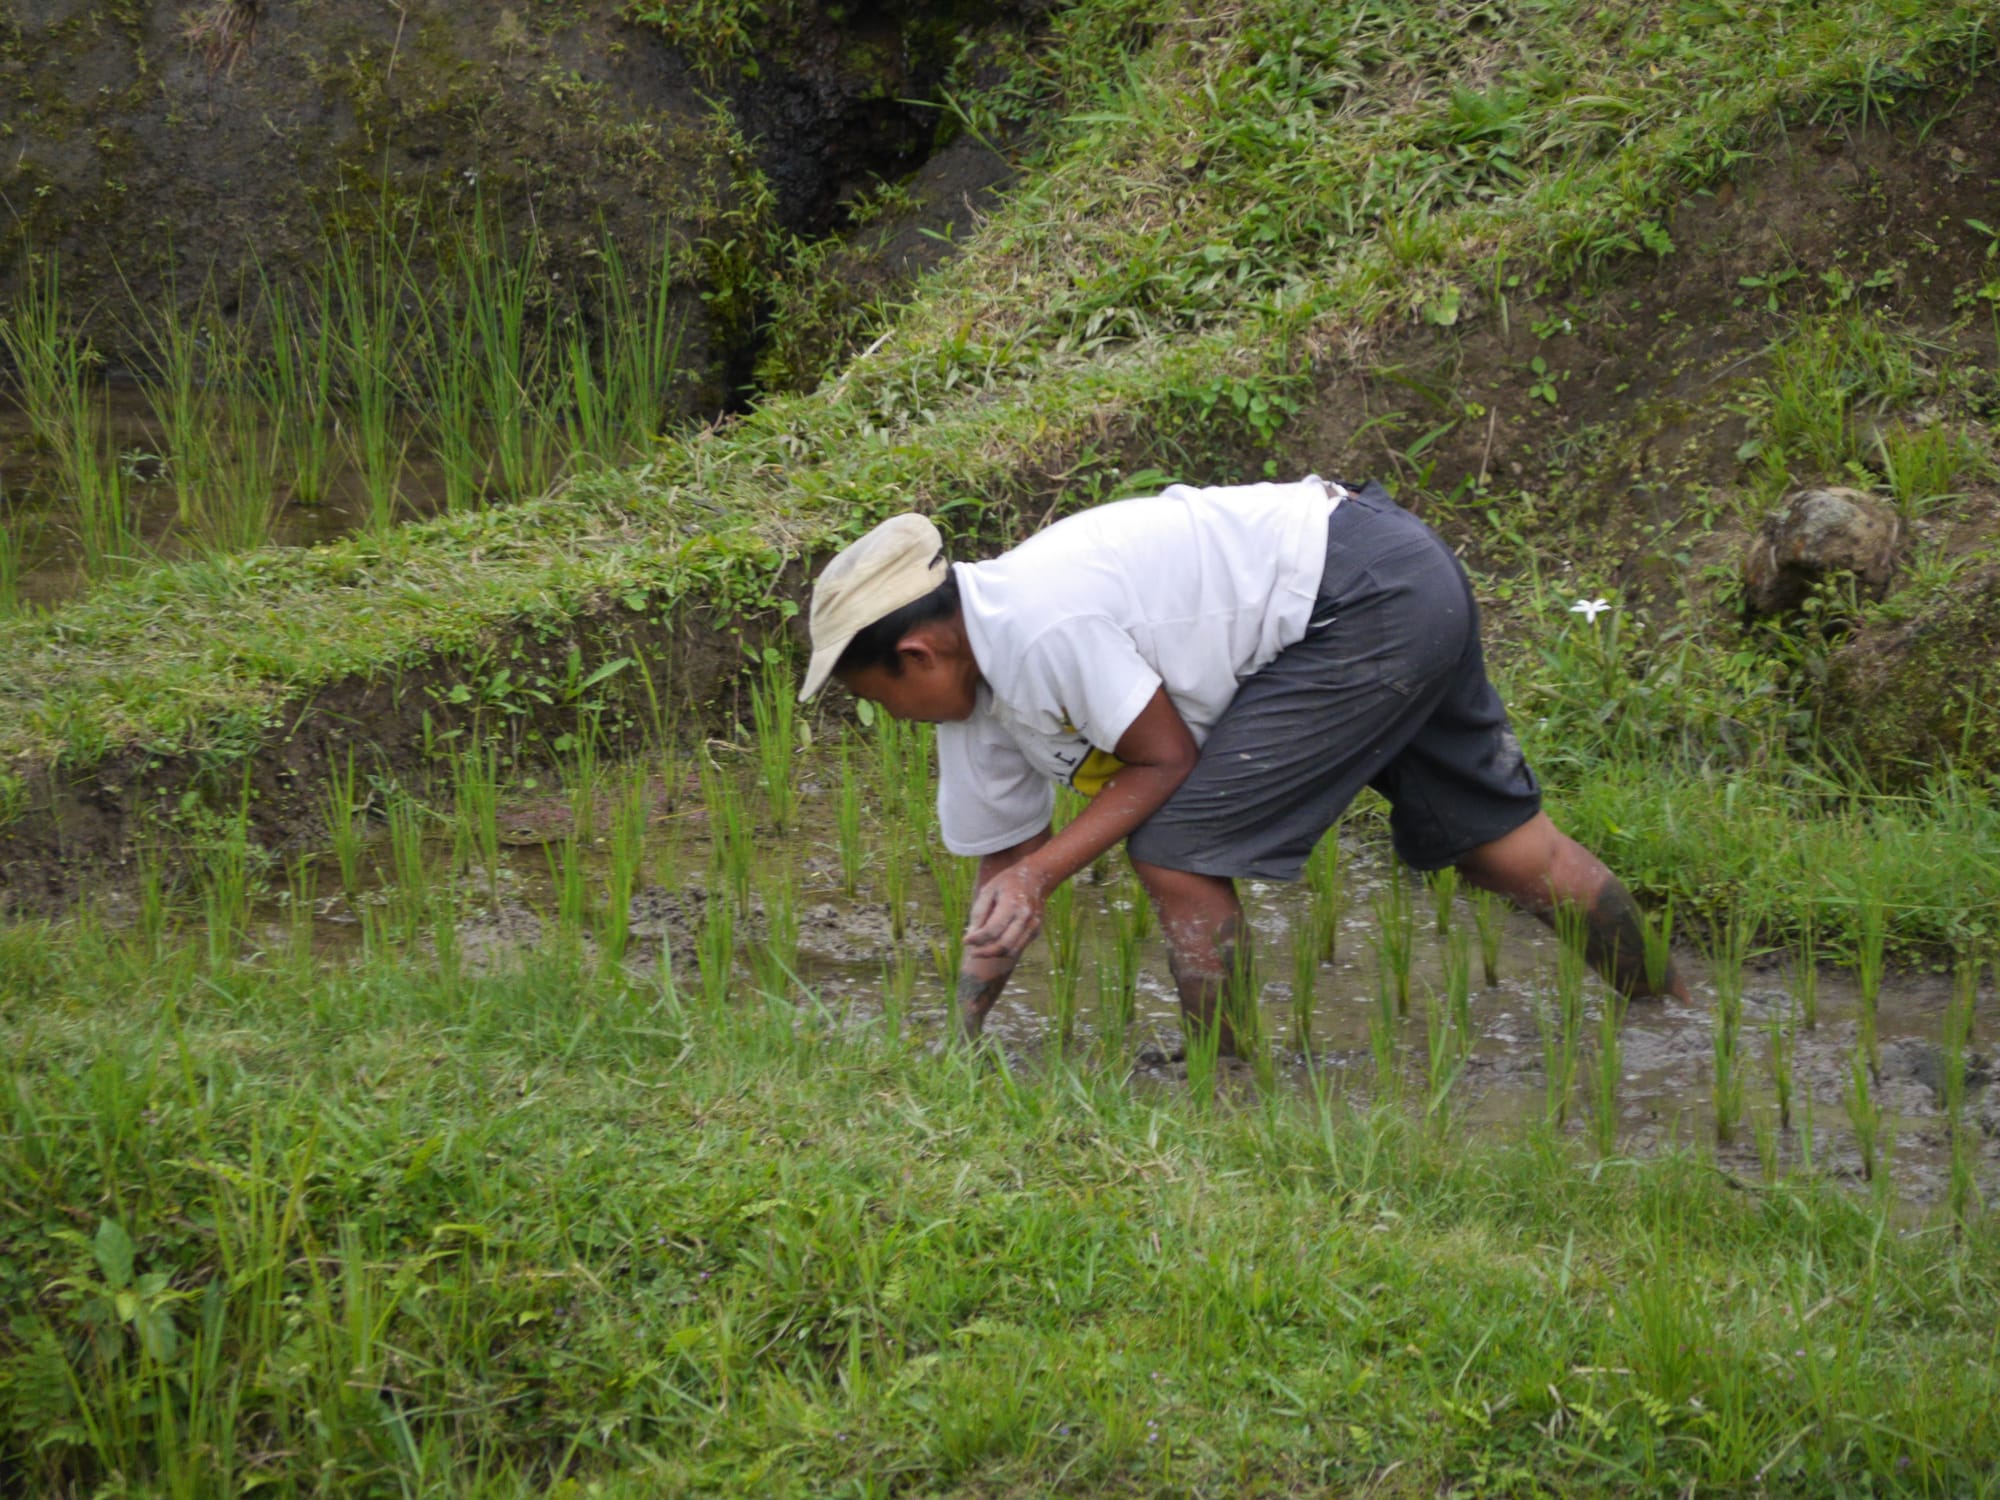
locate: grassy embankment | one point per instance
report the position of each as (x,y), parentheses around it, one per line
(399,1226)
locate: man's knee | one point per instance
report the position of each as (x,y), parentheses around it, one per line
(1198,913)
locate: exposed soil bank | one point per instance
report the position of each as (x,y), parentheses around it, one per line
(152,144)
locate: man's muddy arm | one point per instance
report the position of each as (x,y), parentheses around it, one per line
(980,980)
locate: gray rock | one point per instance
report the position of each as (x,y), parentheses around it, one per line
(1812,535)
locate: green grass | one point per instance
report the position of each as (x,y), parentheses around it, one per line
(376,1229)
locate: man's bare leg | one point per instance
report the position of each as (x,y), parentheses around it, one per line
(1539,868)
(1205,932)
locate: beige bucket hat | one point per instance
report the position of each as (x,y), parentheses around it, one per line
(897,563)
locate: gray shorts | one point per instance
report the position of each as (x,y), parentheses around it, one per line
(1387,689)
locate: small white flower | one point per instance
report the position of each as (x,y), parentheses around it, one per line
(1590,609)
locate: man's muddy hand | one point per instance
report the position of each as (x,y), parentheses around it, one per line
(1006,914)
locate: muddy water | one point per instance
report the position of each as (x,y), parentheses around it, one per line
(848,954)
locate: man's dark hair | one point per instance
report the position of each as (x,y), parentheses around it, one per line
(875,645)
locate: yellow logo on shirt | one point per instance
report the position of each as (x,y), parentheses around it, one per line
(1098,767)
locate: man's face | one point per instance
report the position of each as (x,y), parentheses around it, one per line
(927,689)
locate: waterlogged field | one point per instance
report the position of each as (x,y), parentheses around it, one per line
(406,377)
(607,1135)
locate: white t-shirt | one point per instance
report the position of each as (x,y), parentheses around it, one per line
(1075,629)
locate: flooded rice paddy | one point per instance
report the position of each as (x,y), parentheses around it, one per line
(852,907)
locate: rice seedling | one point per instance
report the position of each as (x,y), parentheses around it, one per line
(899,989)
(1201,1043)
(1444,1056)
(732,842)
(1562,1021)
(365,325)
(847,821)
(1487,917)
(1727,950)
(47,356)
(1395,935)
(954,877)
(1382,1036)
(1062,928)
(1962,1191)
(896,883)
(1443,887)
(1871,941)
(475,775)
(175,391)
(1244,1012)
(1326,890)
(715,948)
(1657,928)
(11,563)
(569,877)
(497,290)
(775,961)
(1864,1110)
(1805,965)
(298,386)
(1780,1054)
(345,806)
(408,865)
(627,858)
(1126,924)
(1308,945)
(916,793)
(773,706)
(225,890)
(301,891)
(1458,987)
(643,342)
(154,915)
(1608,1071)
(237,503)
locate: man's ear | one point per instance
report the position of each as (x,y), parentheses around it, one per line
(917,648)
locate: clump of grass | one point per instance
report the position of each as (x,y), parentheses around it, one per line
(1608,1070)
(899,988)
(1458,987)
(1395,936)
(1487,916)
(408,866)
(475,773)
(569,874)
(297,384)
(1123,972)
(225,890)
(1658,935)
(1444,1055)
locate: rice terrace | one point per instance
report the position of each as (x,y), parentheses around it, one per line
(566,925)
